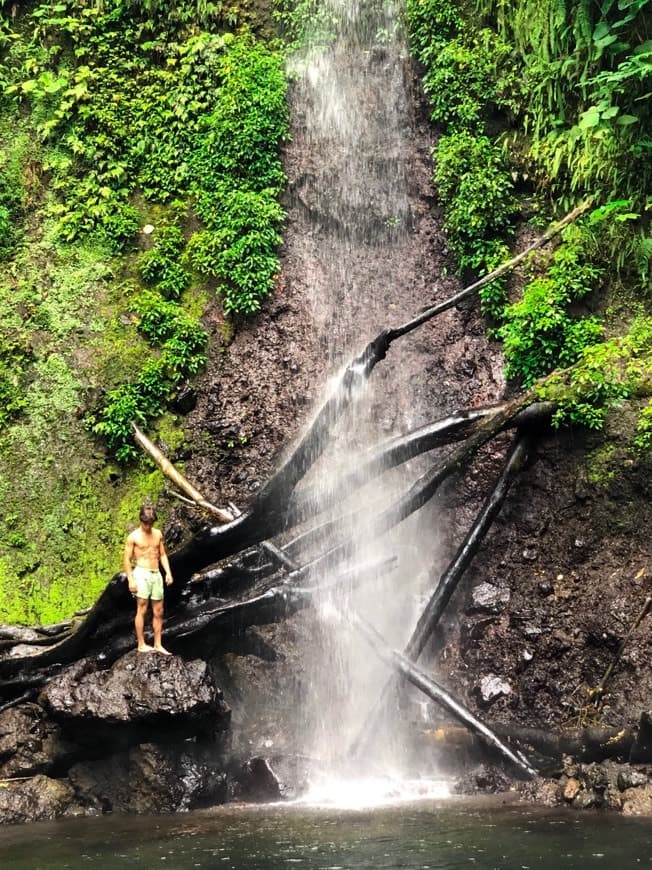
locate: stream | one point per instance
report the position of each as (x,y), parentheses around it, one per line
(424,836)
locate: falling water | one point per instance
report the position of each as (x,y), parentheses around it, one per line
(358,194)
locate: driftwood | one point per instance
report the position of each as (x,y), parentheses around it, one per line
(427,485)
(451,577)
(455,427)
(171,472)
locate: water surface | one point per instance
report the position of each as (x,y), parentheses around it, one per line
(424,836)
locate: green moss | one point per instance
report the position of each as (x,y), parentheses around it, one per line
(602,466)
(169,431)
(68,543)
(605,374)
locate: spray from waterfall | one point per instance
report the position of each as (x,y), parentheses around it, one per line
(358,196)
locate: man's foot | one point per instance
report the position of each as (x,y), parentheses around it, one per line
(162,649)
(145,647)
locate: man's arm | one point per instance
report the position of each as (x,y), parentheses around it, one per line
(163,559)
(127,558)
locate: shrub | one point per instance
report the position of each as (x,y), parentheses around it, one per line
(540,332)
(476,189)
(161,266)
(468,79)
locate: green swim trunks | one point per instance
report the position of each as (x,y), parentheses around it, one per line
(149,584)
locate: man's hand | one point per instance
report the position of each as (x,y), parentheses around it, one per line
(132,585)
(168,580)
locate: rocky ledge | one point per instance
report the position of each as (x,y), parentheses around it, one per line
(150,734)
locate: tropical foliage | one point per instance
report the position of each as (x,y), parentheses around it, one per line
(139,183)
(541,105)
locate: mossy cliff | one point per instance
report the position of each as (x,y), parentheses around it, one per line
(139,181)
(140,219)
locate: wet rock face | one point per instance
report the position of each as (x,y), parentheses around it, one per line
(149,735)
(31,743)
(35,800)
(141,696)
(256,781)
(152,778)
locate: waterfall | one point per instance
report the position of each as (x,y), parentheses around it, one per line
(358,193)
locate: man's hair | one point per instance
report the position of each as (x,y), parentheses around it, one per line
(147,514)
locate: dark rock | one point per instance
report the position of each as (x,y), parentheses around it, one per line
(256,781)
(152,779)
(631,778)
(143,697)
(185,400)
(474,630)
(163,779)
(34,800)
(489,598)
(31,743)
(545,588)
(642,748)
(102,785)
(484,779)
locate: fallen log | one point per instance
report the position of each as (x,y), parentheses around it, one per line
(397,450)
(439,308)
(451,577)
(448,582)
(171,472)
(425,487)
(585,745)
(437,693)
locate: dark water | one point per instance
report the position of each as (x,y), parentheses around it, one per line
(424,836)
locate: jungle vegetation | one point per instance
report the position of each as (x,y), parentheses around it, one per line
(140,174)
(543,105)
(139,190)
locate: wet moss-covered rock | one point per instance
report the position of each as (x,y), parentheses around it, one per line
(35,799)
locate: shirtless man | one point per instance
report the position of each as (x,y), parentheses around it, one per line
(145,547)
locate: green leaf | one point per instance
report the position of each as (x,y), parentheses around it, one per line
(626,120)
(601,30)
(590,118)
(606,40)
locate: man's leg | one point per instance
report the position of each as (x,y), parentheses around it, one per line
(157,623)
(139,624)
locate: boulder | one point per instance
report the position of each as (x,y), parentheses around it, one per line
(142,698)
(487,598)
(31,743)
(34,800)
(152,778)
(637,801)
(256,781)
